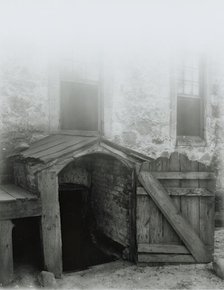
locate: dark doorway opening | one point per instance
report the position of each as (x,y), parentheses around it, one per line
(27,243)
(82,244)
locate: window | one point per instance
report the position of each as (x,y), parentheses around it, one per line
(79,106)
(190,97)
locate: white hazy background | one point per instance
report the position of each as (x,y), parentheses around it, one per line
(112,25)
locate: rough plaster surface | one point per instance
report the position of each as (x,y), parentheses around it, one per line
(137,105)
(23,102)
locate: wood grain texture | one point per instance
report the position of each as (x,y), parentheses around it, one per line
(183,175)
(20,209)
(17,192)
(165,258)
(6,255)
(155,225)
(177,191)
(172,214)
(50,222)
(191,211)
(143,217)
(206,222)
(84,133)
(173,164)
(162,248)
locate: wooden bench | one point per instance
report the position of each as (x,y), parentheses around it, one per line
(15,202)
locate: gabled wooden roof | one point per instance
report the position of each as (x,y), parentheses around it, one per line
(59,145)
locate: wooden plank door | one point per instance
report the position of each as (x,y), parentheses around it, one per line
(172,211)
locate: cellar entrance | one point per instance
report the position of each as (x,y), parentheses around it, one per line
(27,243)
(81,243)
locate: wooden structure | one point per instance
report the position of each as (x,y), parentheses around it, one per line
(171,209)
(15,202)
(175,211)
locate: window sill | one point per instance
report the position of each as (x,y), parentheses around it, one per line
(189,141)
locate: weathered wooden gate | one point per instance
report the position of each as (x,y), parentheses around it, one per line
(175,211)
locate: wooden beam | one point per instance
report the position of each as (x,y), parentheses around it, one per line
(77,133)
(17,192)
(163,258)
(20,209)
(183,175)
(132,219)
(162,249)
(177,191)
(126,150)
(161,198)
(50,222)
(6,257)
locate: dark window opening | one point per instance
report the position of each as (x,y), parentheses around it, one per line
(190,97)
(82,245)
(188,117)
(79,106)
(27,243)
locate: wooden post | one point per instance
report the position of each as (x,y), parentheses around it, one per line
(6,256)
(50,222)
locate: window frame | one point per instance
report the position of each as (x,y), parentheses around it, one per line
(198,141)
(55,78)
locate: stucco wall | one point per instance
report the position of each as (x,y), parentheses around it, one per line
(140,109)
(137,96)
(23,103)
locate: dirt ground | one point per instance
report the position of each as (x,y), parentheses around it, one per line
(123,275)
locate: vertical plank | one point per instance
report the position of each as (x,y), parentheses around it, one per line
(187,165)
(132,216)
(173,164)
(209,184)
(169,235)
(190,206)
(143,217)
(6,256)
(190,210)
(207,222)
(207,212)
(155,223)
(50,222)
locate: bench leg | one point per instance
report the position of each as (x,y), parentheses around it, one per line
(6,255)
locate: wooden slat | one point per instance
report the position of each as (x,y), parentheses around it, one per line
(173,164)
(162,249)
(70,149)
(47,143)
(6,257)
(77,133)
(17,192)
(163,258)
(155,226)
(132,218)
(117,153)
(172,214)
(187,165)
(174,191)
(126,150)
(59,147)
(143,217)
(4,196)
(207,224)
(19,209)
(190,211)
(183,175)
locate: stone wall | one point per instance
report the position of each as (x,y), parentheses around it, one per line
(111,190)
